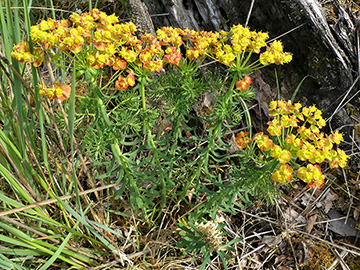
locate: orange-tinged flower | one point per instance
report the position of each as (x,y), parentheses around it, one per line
(91,59)
(192,53)
(336,137)
(278,177)
(312,175)
(273,105)
(301,154)
(293,142)
(226,58)
(154,65)
(244,83)
(289,140)
(280,107)
(333,158)
(274,55)
(42,89)
(321,123)
(242,140)
(274,128)
(287,171)
(263,141)
(320,141)
(130,78)
(343,158)
(314,129)
(62,91)
(304,132)
(304,174)
(289,121)
(342,154)
(38,60)
(172,56)
(276,151)
(145,56)
(285,156)
(128,54)
(317,157)
(57,90)
(49,24)
(335,163)
(121,83)
(147,38)
(119,63)
(318,177)
(284,174)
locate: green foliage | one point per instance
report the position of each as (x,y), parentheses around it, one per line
(34,168)
(154,134)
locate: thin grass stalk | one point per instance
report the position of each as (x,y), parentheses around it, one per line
(18,87)
(39,109)
(52,9)
(71,121)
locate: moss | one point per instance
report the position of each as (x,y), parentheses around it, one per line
(319,257)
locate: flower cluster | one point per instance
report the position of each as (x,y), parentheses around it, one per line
(243,39)
(85,31)
(21,52)
(99,40)
(297,130)
(274,55)
(57,90)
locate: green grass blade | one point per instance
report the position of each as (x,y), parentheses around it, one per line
(71,113)
(298,87)
(58,251)
(14,241)
(6,264)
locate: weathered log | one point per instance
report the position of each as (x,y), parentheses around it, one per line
(141,18)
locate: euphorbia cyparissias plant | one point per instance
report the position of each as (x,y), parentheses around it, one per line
(298,136)
(151,165)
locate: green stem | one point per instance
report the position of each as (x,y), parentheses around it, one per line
(247,115)
(246,60)
(229,94)
(142,92)
(243,104)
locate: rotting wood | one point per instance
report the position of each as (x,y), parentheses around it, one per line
(141,18)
